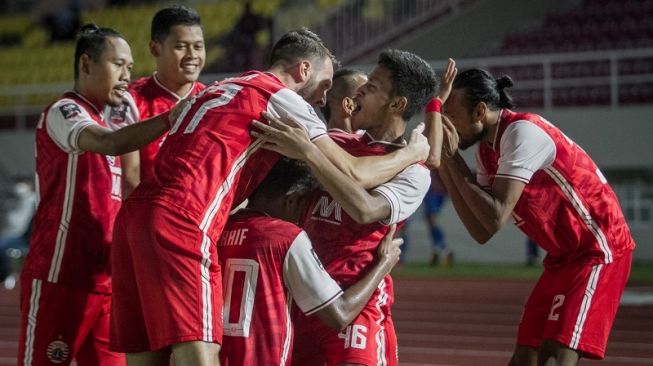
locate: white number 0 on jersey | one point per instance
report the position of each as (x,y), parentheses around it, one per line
(249,268)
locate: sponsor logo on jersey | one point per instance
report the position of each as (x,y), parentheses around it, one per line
(57,351)
(117,115)
(327,210)
(70,110)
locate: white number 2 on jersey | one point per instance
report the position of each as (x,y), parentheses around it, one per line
(249,267)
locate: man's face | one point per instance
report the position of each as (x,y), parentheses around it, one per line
(471,130)
(180,56)
(109,76)
(372,100)
(319,82)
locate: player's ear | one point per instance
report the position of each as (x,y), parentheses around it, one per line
(155,48)
(305,70)
(293,204)
(348,105)
(85,64)
(480,111)
(398,105)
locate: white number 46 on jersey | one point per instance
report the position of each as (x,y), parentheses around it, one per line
(355,336)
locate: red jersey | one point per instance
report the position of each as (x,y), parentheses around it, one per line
(148,98)
(79,196)
(346,247)
(200,163)
(267,264)
(567,206)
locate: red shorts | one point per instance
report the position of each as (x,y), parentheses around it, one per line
(167,286)
(59,324)
(576,306)
(369,340)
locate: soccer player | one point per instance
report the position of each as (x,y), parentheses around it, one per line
(177,44)
(164,244)
(66,282)
(400,85)
(269,264)
(530,171)
(340,99)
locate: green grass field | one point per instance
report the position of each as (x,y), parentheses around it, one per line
(641,274)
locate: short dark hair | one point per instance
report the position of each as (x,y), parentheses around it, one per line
(481,86)
(286,177)
(92,41)
(412,77)
(167,18)
(300,44)
(341,87)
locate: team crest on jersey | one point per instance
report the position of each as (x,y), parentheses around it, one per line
(70,110)
(111,160)
(58,351)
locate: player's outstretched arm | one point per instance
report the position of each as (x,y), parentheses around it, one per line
(370,171)
(433,115)
(344,309)
(102,140)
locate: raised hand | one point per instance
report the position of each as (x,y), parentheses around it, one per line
(288,139)
(389,248)
(447,80)
(419,143)
(450,138)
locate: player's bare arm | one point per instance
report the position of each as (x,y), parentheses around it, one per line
(449,148)
(433,118)
(491,210)
(343,310)
(102,140)
(364,207)
(370,171)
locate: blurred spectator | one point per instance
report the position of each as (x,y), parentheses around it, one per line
(61,18)
(532,253)
(433,202)
(242,49)
(18,211)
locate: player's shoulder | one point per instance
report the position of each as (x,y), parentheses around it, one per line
(67,107)
(141,84)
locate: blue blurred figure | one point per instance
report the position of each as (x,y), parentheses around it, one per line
(433,203)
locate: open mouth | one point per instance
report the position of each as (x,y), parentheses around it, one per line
(121,89)
(357,106)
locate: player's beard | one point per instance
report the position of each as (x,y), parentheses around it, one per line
(307,90)
(464,144)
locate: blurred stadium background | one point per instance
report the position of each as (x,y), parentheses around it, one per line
(586,65)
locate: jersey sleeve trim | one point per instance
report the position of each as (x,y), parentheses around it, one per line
(325,304)
(405,192)
(305,277)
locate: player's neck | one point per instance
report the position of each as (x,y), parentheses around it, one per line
(343,124)
(392,130)
(86,92)
(492,125)
(179,89)
(286,78)
(267,208)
